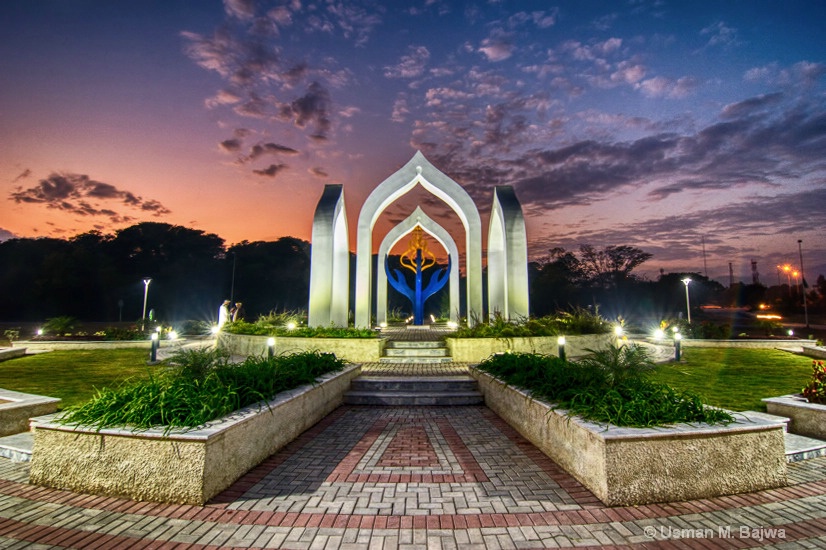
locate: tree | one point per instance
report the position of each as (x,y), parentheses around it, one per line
(611,266)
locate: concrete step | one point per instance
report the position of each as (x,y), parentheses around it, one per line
(415,359)
(448,391)
(766,416)
(799,447)
(415,352)
(430,384)
(414,399)
(415,344)
(17,447)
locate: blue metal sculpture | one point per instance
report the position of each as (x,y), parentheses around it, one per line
(417,258)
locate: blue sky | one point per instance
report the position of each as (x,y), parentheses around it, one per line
(664,125)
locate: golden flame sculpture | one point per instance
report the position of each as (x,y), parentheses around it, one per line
(417,242)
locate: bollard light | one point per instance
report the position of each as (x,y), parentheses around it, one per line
(270,347)
(153,353)
(172,335)
(291,325)
(659,334)
(677,339)
(561,343)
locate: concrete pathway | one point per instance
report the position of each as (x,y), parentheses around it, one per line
(418,477)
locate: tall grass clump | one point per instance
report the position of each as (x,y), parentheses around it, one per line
(608,386)
(199,386)
(577,321)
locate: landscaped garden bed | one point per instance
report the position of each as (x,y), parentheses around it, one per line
(168,453)
(806,411)
(16,408)
(656,456)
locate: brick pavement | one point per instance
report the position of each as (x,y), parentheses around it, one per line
(413,477)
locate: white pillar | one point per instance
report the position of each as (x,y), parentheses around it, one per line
(330,261)
(507,256)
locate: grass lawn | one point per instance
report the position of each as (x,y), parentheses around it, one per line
(72,376)
(736,379)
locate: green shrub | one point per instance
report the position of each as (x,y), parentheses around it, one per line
(60,326)
(608,386)
(264,327)
(200,386)
(578,321)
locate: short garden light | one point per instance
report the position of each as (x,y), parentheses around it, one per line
(172,335)
(40,332)
(561,343)
(291,325)
(215,329)
(452,325)
(153,353)
(270,347)
(677,339)
(659,334)
(618,331)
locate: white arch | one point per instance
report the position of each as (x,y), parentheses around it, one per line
(507,256)
(417,218)
(330,261)
(418,170)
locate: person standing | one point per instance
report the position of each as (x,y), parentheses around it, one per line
(238,312)
(223,314)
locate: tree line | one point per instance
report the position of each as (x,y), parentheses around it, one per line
(99,277)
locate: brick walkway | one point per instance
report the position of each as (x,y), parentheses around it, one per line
(419,477)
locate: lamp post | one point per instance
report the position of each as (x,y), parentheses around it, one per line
(686,281)
(803,282)
(146,282)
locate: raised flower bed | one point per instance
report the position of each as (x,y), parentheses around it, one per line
(806,411)
(179,466)
(474,350)
(628,466)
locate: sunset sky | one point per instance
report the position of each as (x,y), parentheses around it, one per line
(663,124)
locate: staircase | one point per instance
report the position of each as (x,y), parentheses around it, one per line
(431,390)
(418,351)
(415,370)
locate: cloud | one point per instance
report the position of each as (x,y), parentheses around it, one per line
(720,35)
(260,149)
(241,9)
(662,87)
(497,48)
(22,175)
(5,235)
(271,171)
(318,172)
(231,145)
(411,65)
(311,108)
(81,195)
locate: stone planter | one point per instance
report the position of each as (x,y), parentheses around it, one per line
(355,350)
(50,345)
(629,466)
(16,408)
(185,467)
(475,350)
(805,418)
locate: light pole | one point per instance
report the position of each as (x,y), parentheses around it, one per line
(146,282)
(803,282)
(686,281)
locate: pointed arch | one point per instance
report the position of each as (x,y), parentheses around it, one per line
(417,218)
(418,171)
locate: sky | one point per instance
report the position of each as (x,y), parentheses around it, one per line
(695,131)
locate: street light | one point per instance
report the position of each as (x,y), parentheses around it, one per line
(803,282)
(686,281)
(146,282)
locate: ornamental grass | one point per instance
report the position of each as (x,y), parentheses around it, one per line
(609,386)
(199,386)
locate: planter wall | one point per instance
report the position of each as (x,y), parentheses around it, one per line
(748,344)
(355,350)
(17,408)
(805,418)
(50,345)
(628,466)
(475,350)
(182,467)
